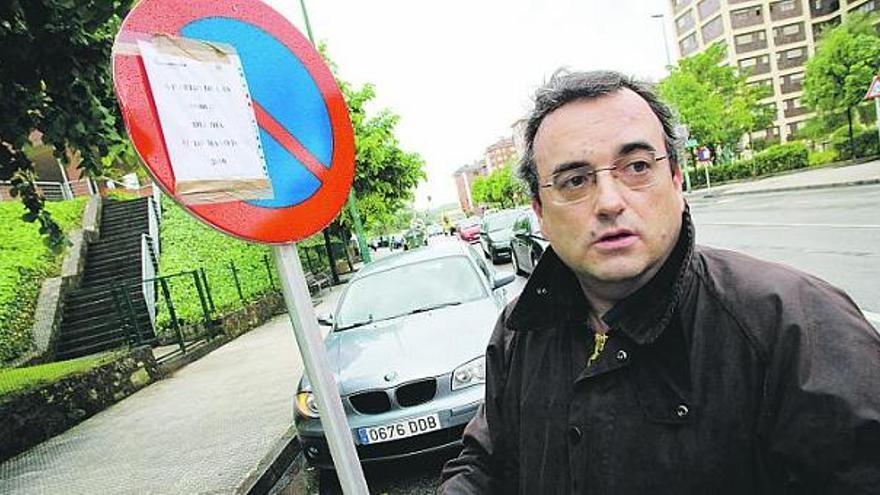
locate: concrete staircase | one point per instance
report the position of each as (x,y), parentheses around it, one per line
(97,316)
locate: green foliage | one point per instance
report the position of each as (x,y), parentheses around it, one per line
(865,142)
(817,158)
(385,175)
(713,100)
(188,245)
(838,75)
(776,158)
(56,79)
(25,261)
(23,379)
(501,188)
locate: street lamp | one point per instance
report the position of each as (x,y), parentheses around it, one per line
(665,44)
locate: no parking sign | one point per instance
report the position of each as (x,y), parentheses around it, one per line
(237,118)
(303,121)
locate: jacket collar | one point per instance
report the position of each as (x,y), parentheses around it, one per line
(553,297)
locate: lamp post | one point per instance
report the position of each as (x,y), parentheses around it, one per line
(665,44)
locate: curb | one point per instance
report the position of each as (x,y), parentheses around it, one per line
(863,182)
(274,466)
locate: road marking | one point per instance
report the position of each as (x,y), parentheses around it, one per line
(823,225)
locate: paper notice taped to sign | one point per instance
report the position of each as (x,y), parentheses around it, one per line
(207,119)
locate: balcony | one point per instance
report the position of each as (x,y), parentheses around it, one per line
(791,58)
(785,9)
(762,67)
(750,42)
(819,8)
(795,111)
(791,33)
(791,87)
(746,17)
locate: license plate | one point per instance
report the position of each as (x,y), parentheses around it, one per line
(401,429)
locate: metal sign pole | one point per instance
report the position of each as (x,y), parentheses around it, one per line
(308,338)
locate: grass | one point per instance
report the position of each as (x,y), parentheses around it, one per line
(22,379)
(25,261)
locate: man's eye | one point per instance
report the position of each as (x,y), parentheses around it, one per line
(637,167)
(574,181)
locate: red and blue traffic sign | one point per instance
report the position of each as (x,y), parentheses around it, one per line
(303,120)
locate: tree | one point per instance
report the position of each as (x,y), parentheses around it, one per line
(56,79)
(838,75)
(714,100)
(500,188)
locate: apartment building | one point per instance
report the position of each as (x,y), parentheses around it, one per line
(771,40)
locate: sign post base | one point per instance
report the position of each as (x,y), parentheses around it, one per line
(308,338)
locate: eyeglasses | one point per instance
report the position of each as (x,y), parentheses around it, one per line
(636,170)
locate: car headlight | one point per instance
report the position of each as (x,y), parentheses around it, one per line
(305,405)
(470,373)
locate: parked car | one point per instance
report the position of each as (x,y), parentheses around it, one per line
(527,244)
(469,229)
(434,229)
(409,364)
(495,233)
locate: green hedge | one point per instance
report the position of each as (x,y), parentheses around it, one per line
(865,139)
(188,245)
(776,158)
(25,262)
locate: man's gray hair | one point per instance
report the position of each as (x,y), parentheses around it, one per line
(565,87)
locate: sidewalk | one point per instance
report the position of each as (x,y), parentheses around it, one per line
(845,175)
(205,429)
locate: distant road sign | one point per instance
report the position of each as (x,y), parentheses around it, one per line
(302,117)
(874,90)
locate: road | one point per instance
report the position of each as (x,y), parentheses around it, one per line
(832,233)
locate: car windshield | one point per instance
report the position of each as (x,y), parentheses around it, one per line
(501,221)
(409,289)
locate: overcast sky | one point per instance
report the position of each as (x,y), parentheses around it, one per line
(459,73)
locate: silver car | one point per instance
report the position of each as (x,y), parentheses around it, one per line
(407,352)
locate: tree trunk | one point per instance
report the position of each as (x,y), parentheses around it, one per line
(330,256)
(852,144)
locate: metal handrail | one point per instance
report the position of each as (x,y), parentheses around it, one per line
(148,273)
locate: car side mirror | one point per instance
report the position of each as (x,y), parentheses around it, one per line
(325,319)
(501,279)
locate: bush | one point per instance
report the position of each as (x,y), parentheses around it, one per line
(25,262)
(822,157)
(776,158)
(865,139)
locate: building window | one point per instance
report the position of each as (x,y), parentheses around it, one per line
(791,29)
(866,7)
(688,45)
(684,23)
(713,29)
(746,17)
(708,8)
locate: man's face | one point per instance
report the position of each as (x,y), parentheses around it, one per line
(616,235)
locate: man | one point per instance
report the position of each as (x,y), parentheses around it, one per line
(637,362)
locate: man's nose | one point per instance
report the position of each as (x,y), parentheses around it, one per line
(609,198)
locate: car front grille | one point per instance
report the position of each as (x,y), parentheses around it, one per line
(413,394)
(371,402)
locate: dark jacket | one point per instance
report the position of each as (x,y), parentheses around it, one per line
(723,375)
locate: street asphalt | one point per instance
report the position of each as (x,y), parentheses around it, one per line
(206,428)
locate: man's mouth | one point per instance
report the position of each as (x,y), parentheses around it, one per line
(616,239)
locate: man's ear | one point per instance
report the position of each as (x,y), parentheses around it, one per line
(536,205)
(678,181)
